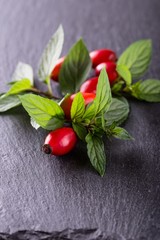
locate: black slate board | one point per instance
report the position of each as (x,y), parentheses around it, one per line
(51,194)
(68,234)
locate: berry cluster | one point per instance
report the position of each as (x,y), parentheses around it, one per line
(61,141)
(89,109)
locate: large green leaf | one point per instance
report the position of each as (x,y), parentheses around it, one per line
(118,111)
(103,97)
(137,57)
(8,102)
(96,153)
(148,90)
(75,68)
(51,54)
(23,71)
(45,112)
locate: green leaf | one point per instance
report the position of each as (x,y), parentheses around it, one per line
(34,124)
(117,87)
(133,90)
(8,102)
(137,57)
(148,90)
(103,97)
(121,133)
(102,126)
(80,130)
(96,153)
(89,113)
(78,107)
(51,54)
(75,68)
(103,93)
(125,73)
(45,112)
(118,111)
(19,86)
(23,71)
(11,83)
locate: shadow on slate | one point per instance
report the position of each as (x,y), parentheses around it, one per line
(68,234)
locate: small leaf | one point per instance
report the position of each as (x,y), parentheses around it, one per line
(80,130)
(103,93)
(148,90)
(75,68)
(34,124)
(133,90)
(100,123)
(103,97)
(51,54)
(23,71)
(118,111)
(8,102)
(137,57)
(45,112)
(96,153)
(124,72)
(117,87)
(90,112)
(19,86)
(78,107)
(121,133)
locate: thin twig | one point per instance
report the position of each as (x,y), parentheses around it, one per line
(48,95)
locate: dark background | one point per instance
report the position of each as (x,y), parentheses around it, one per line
(48,193)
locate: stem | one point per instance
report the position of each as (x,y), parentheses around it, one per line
(35,90)
(48,81)
(127,89)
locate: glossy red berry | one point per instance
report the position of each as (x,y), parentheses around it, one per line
(102,55)
(89,86)
(67,103)
(60,141)
(110,69)
(56,70)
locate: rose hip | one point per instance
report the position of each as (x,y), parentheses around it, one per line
(60,141)
(102,55)
(110,69)
(89,86)
(56,69)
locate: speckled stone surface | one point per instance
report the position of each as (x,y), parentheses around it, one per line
(44,193)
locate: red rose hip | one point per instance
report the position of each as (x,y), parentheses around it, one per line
(110,69)
(89,86)
(56,69)
(102,55)
(60,141)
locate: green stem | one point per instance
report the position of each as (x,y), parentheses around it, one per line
(127,89)
(48,81)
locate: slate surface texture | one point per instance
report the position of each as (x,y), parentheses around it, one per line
(44,193)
